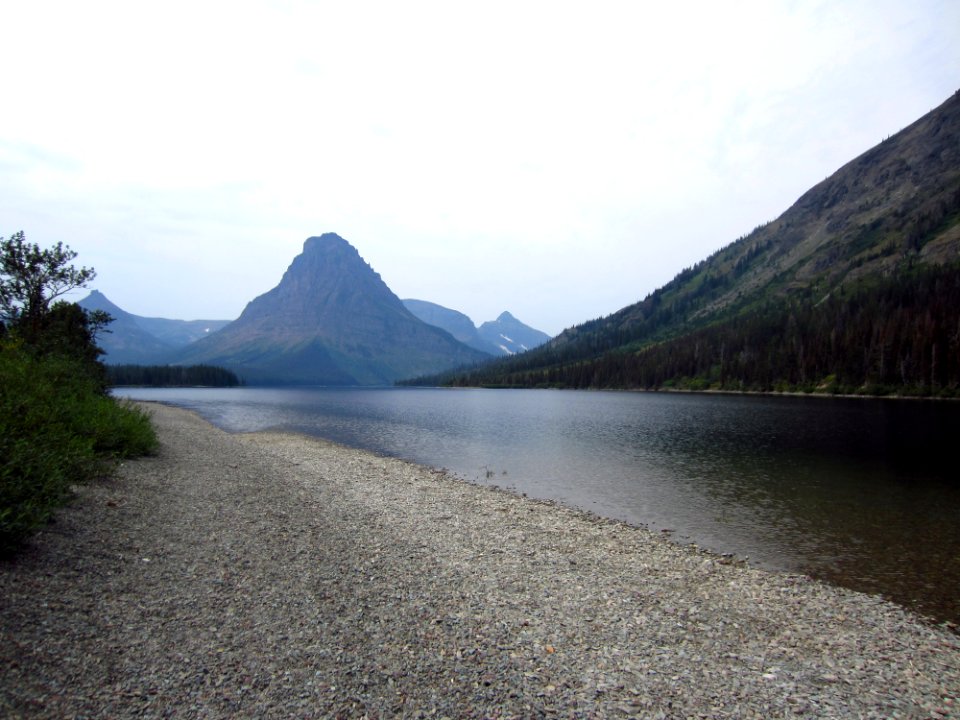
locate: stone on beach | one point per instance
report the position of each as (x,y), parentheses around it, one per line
(270,575)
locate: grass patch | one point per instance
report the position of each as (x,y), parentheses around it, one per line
(57,429)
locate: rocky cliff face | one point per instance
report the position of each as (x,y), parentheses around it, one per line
(333,321)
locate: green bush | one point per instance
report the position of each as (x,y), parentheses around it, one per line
(57,429)
(119,429)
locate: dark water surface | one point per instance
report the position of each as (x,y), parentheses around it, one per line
(863,493)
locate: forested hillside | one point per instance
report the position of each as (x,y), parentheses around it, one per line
(852,289)
(172,376)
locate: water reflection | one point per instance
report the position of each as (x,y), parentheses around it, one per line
(858,492)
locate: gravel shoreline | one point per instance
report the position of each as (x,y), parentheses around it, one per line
(270,575)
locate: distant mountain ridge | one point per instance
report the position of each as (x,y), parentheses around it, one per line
(133,339)
(852,289)
(511,335)
(330,321)
(504,336)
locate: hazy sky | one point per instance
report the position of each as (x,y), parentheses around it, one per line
(558,160)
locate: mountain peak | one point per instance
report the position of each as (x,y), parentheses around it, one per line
(96,300)
(331,321)
(510,335)
(504,336)
(325,242)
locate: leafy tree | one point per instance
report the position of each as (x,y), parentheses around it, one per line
(69,330)
(58,425)
(31,278)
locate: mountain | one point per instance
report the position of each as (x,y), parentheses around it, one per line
(132,339)
(453,321)
(331,321)
(504,336)
(855,288)
(180,332)
(124,341)
(510,335)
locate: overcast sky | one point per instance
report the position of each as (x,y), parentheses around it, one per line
(558,160)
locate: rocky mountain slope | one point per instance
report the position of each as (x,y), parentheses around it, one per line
(510,335)
(504,336)
(452,321)
(850,289)
(332,321)
(133,339)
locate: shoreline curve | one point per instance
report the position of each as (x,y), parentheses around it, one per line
(275,575)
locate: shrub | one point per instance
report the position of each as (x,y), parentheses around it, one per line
(57,429)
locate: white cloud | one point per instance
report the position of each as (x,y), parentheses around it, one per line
(553,159)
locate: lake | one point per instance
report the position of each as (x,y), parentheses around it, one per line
(862,493)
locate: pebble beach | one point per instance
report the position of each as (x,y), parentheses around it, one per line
(270,575)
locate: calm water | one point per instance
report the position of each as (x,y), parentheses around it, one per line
(863,493)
